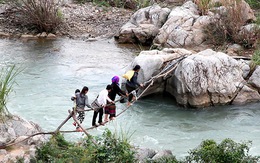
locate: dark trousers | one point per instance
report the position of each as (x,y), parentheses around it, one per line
(100,112)
(129,90)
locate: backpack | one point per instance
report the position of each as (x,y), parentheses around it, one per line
(129,74)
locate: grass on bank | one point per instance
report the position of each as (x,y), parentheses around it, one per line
(134,4)
(39,16)
(7,76)
(226,29)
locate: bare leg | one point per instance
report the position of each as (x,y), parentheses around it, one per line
(106,118)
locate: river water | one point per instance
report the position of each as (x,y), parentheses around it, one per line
(52,70)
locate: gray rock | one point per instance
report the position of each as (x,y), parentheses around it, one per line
(163,153)
(144,153)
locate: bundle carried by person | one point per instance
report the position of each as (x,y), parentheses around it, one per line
(96,105)
(129,74)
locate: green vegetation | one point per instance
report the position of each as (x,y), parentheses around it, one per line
(42,16)
(227,28)
(134,4)
(254,3)
(2,1)
(117,149)
(256,57)
(111,148)
(227,151)
(7,76)
(203,6)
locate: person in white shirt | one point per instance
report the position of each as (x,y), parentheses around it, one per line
(102,101)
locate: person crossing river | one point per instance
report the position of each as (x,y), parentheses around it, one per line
(81,102)
(111,109)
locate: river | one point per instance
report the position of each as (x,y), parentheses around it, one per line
(52,70)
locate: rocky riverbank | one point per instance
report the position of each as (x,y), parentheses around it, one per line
(81,21)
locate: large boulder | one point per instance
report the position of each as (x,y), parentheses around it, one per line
(152,63)
(144,25)
(206,78)
(15,130)
(183,28)
(201,79)
(246,95)
(254,80)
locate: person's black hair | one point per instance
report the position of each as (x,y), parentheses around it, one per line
(109,87)
(77,91)
(84,89)
(137,67)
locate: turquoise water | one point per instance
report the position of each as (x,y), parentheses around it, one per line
(53,70)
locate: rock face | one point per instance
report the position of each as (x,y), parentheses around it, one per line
(206,78)
(144,25)
(16,129)
(201,79)
(183,27)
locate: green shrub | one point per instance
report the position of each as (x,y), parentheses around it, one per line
(57,149)
(42,16)
(227,151)
(113,148)
(7,76)
(110,148)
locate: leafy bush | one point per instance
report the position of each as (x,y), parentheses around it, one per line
(116,148)
(6,82)
(41,15)
(110,148)
(227,151)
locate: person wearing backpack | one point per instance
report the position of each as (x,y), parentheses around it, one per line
(81,102)
(132,84)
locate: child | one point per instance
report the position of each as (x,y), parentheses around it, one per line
(73,98)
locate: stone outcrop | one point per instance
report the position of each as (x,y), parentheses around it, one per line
(144,25)
(144,154)
(184,27)
(16,129)
(254,80)
(202,79)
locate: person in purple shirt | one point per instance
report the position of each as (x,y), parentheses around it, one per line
(111,109)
